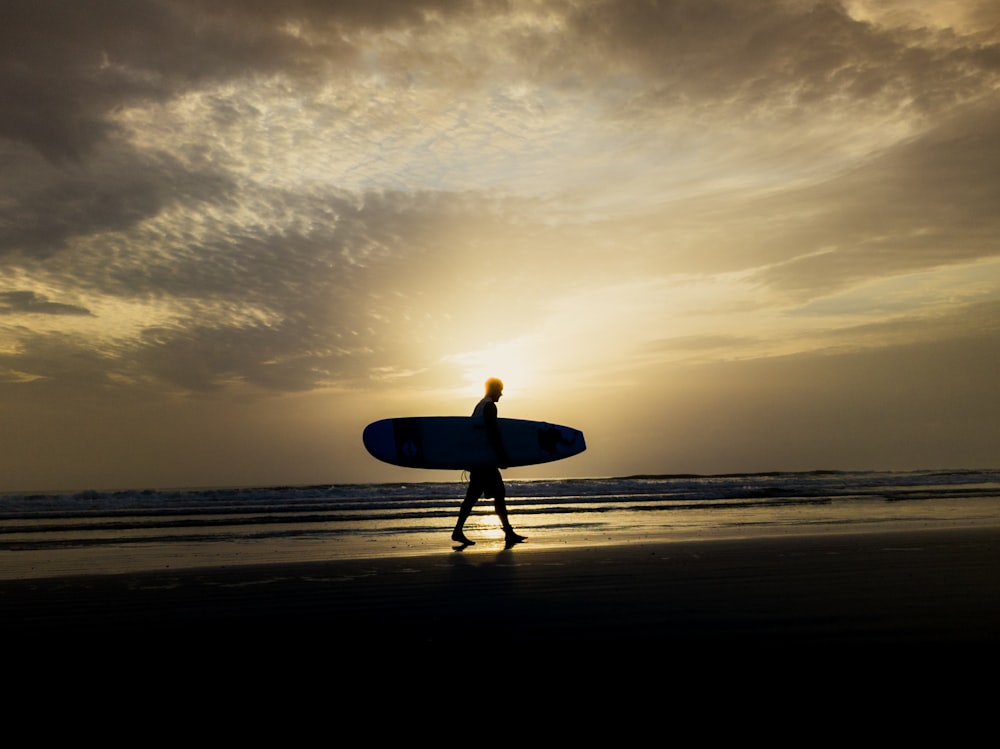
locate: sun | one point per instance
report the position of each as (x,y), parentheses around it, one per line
(517,363)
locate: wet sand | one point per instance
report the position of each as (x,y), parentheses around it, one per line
(873,588)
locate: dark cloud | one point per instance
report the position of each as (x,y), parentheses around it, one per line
(336,14)
(202,359)
(65,66)
(28,302)
(768,59)
(59,363)
(47,209)
(925,203)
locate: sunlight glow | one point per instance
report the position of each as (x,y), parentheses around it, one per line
(484,522)
(518,363)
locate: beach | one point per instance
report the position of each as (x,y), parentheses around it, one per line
(785,561)
(872,588)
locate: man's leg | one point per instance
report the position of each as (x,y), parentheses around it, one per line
(500,504)
(471,497)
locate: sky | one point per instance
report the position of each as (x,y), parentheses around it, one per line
(715,235)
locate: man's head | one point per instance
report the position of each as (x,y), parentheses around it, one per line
(494,388)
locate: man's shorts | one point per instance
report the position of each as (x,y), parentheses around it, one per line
(486,482)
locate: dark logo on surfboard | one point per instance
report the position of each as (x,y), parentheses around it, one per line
(409,445)
(550,439)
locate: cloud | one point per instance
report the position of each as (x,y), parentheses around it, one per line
(923,204)
(784,58)
(384,283)
(49,210)
(66,68)
(28,302)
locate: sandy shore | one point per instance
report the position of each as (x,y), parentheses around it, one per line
(933,586)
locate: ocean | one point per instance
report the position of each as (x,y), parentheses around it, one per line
(96,532)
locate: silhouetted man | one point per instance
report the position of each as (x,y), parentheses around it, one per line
(487,481)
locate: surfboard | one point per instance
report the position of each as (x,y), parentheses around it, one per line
(460,442)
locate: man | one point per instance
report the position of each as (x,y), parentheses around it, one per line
(487,481)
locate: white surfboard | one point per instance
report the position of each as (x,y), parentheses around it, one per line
(461,442)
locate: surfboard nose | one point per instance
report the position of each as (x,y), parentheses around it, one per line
(378,439)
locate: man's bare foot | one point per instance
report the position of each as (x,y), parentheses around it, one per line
(513,538)
(459,538)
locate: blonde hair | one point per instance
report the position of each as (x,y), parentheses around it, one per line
(494,385)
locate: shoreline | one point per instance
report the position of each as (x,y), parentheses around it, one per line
(112,556)
(933,585)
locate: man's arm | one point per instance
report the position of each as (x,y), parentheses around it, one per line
(493,432)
